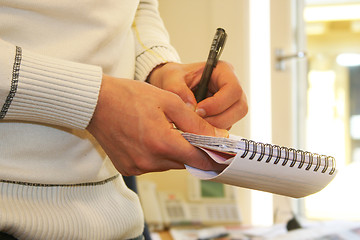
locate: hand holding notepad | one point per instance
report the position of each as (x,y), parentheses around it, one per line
(264,167)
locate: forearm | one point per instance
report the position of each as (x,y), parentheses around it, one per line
(46,90)
(151,40)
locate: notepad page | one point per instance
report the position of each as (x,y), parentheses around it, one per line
(284,172)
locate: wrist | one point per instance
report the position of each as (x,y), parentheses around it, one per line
(156,76)
(151,78)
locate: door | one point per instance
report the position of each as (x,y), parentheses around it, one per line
(288,75)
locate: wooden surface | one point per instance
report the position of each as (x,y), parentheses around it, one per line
(165,235)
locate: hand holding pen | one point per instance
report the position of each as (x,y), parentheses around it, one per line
(224,101)
(143,116)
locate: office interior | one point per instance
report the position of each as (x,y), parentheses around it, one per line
(299,64)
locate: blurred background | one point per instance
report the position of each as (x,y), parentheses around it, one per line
(299,63)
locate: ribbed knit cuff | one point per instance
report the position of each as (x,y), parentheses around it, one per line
(54,91)
(152,57)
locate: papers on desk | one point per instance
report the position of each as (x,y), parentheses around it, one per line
(332,230)
(210,233)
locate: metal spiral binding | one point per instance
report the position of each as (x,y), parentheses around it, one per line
(270,152)
(311,156)
(310,160)
(278,155)
(294,152)
(262,153)
(254,149)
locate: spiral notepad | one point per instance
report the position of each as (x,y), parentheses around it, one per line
(266,167)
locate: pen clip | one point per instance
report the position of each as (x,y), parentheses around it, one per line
(217,45)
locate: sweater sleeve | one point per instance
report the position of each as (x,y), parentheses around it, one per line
(46,90)
(151,39)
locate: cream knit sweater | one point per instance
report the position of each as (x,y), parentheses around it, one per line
(55,180)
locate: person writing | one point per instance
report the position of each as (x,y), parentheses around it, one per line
(73,117)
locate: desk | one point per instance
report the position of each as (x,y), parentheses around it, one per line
(310,230)
(165,235)
(196,232)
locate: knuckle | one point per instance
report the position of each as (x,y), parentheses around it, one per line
(156,146)
(244,107)
(159,148)
(177,98)
(241,111)
(142,165)
(130,168)
(245,110)
(171,95)
(226,64)
(205,128)
(137,166)
(175,88)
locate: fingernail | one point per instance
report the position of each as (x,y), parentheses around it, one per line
(201,112)
(221,133)
(191,106)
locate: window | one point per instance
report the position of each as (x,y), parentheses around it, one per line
(333,106)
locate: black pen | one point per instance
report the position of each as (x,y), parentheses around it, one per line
(216,49)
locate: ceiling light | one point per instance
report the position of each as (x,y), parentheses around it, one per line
(332,13)
(348,59)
